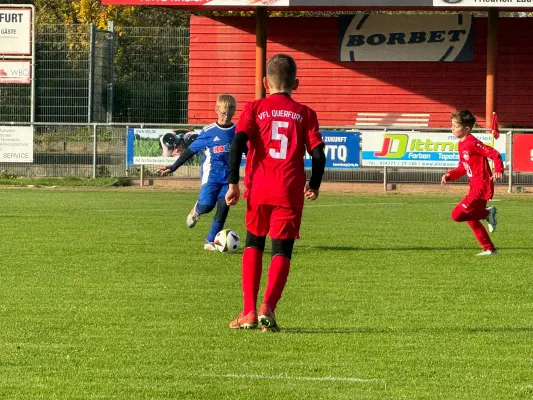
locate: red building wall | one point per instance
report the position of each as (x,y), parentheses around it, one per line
(222,60)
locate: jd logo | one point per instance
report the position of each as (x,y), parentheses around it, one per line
(394,146)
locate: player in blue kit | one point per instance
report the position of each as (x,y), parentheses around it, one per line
(214,142)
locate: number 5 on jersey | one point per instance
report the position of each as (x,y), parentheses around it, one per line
(282,153)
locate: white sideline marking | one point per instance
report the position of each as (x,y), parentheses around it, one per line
(302,378)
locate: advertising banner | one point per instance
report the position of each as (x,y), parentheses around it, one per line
(482,3)
(417,149)
(15,31)
(16,144)
(15,71)
(522,153)
(343,150)
(276,3)
(148,146)
(406,37)
(222,3)
(327,3)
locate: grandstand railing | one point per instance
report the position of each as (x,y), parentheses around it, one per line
(97,149)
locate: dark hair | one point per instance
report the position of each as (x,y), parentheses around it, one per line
(464,118)
(281,71)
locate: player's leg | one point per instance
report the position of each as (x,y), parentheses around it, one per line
(483,238)
(470,208)
(205,204)
(257,225)
(284,229)
(491,218)
(473,210)
(219,219)
(217,224)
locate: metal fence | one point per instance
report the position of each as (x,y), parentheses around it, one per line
(151,75)
(84,74)
(96,150)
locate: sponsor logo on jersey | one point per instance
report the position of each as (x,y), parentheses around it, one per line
(223,148)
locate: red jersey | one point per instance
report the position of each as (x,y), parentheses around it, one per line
(473,162)
(279,130)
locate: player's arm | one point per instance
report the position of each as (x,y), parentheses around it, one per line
(237,148)
(453,174)
(313,141)
(185,156)
(494,155)
(318,164)
(194,147)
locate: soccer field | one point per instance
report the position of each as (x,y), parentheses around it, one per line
(106,294)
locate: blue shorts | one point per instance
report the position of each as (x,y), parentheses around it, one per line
(211,192)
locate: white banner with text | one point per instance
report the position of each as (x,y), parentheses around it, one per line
(16,144)
(418,149)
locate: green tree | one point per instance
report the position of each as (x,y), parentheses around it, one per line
(92,11)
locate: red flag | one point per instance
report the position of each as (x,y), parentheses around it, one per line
(494,126)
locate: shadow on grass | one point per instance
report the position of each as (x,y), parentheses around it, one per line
(442,330)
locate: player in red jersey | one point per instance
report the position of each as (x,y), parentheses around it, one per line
(278,131)
(473,162)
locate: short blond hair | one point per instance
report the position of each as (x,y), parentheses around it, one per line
(227,100)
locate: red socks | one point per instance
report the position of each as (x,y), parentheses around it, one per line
(277,278)
(252,267)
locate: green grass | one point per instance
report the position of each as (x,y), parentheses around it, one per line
(105,294)
(147,148)
(12,180)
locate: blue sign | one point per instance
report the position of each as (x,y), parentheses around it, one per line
(343,150)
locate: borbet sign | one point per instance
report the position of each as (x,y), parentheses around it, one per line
(406,37)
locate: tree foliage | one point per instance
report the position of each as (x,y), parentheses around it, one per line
(92,11)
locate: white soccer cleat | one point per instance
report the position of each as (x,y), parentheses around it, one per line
(210,246)
(193,217)
(491,219)
(488,253)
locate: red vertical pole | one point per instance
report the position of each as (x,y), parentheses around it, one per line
(492,57)
(260,50)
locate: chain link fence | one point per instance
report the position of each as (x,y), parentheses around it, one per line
(84,74)
(152,72)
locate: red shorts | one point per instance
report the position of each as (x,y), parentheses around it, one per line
(471,204)
(471,208)
(278,222)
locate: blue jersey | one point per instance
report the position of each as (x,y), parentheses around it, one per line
(214,141)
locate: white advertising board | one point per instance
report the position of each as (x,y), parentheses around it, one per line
(418,149)
(15,71)
(16,144)
(15,31)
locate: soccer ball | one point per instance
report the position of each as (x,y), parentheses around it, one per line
(227,241)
